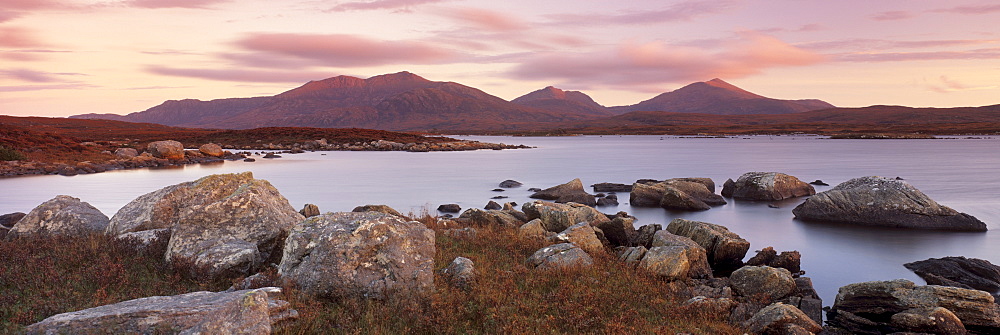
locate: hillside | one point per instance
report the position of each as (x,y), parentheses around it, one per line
(719,97)
(570,102)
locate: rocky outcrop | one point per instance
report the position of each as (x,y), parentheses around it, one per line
(171,150)
(377,208)
(562,256)
(619,231)
(766,186)
(692,194)
(725,249)
(880,201)
(971,273)
(461,272)
(569,192)
(534,229)
(493,205)
(875,308)
(582,235)
(695,254)
(788,260)
(557,217)
(211,149)
(668,262)
(482,217)
(762,283)
(366,254)
(779,318)
(62,215)
(631,255)
(238,312)
(309,210)
(644,235)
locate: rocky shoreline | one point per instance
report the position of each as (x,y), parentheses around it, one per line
(125,158)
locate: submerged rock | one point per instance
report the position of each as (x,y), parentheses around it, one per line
(881,201)
(766,186)
(62,215)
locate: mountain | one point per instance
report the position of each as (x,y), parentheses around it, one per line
(719,97)
(571,102)
(398,101)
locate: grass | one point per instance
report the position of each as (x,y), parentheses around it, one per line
(8,154)
(39,279)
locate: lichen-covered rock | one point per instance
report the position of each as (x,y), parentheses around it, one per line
(619,231)
(359,254)
(880,201)
(582,235)
(725,249)
(126,153)
(563,256)
(500,218)
(762,283)
(632,255)
(973,273)
(789,260)
(62,215)
(669,262)
(461,272)
(172,150)
(533,229)
(696,255)
(237,312)
(774,319)
(557,217)
(644,235)
(211,149)
(766,186)
(569,192)
(933,320)
(377,208)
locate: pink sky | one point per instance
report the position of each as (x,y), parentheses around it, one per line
(65,57)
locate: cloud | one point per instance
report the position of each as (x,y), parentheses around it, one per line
(877,44)
(16,37)
(23,88)
(486,19)
(156,4)
(644,64)
(8,15)
(971,10)
(239,75)
(27,55)
(684,11)
(399,5)
(36,76)
(989,53)
(893,16)
(947,85)
(30,4)
(340,50)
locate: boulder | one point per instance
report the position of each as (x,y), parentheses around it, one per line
(582,235)
(8,220)
(806,299)
(62,215)
(644,235)
(610,200)
(645,195)
(569,192)
(880,201)
(461,272)
(172,150)
(972,273)
(562,256)
(533,229)
(126,153)
(611,187)
(147,237)
(632,255)
(619,231)
(762,283)
(211,149)
(789,260)
(359,254)
(693,194)
(510,184)
(557,217)
(725,249)
(449,208)
(492,205)
(669,262)
(933,320)
(775,318)
(377,208)
(766,186)
(309,210)
(237,312)
(500,218)
(696,255)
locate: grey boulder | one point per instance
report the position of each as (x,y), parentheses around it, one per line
(766,186)
(569,192)
(562,256)
(557,217)
(725,249)
(62,215)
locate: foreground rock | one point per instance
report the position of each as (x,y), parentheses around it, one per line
(238,312)
(569,192)
(481,217)
(359,254)
(557,217)
(695,254)
(582,235)
(8,220)
(461,272)
(971,273)
(172,150)
(763,283)
(692,194)
(789,260)
(880,201)
(899,306)
(766,186)
(562,256)
(779,318)
(62,215)
(725,249)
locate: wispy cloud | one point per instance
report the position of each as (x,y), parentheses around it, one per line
(395,5)
(881,44)
(339,50)
(989,53)
(893,15)
(486,19)
(971,10)
(156,4)
(684,11)
(17,37)
(36,76)
(24,88)
(637,65)
(944,84)
(239,75)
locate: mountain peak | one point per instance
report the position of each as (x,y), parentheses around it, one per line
(402,76)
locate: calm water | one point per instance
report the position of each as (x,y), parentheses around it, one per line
(960,173)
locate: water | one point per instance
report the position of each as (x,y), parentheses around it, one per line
(960,173)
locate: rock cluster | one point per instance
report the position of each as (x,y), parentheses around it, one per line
(970,273)
(692,194)
(569,192)
(724,248)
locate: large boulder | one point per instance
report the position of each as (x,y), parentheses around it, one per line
(482,217)
(669,262)
(557,217)
(237,312)
(762,283)
(211,149)
(870,307)
(172,150)
(880,201)
(562,256)
(582,235)
(359,254)
(972,273)
(619,231)
(696,255)
(377,208)
(126,153)
(569,192)
(693,194)
(725,249)
(62,215)
(776,319)
(644,235)
(766,186)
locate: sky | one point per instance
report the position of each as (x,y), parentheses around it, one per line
(67,57)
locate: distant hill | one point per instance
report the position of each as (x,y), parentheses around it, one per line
(399,101)
(570,102)
(721,98)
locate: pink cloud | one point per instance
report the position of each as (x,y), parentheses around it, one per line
(15,37)
(876,44)
(27,55)
(344,50)
(35,76)
(947,85)
(991,53)
(487,19)
(893,16)
(155,4)
(639,65)
(23,88)
(8,15)
(973,10)
(683,11)
(29,4)
(240,75)
(400,5)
